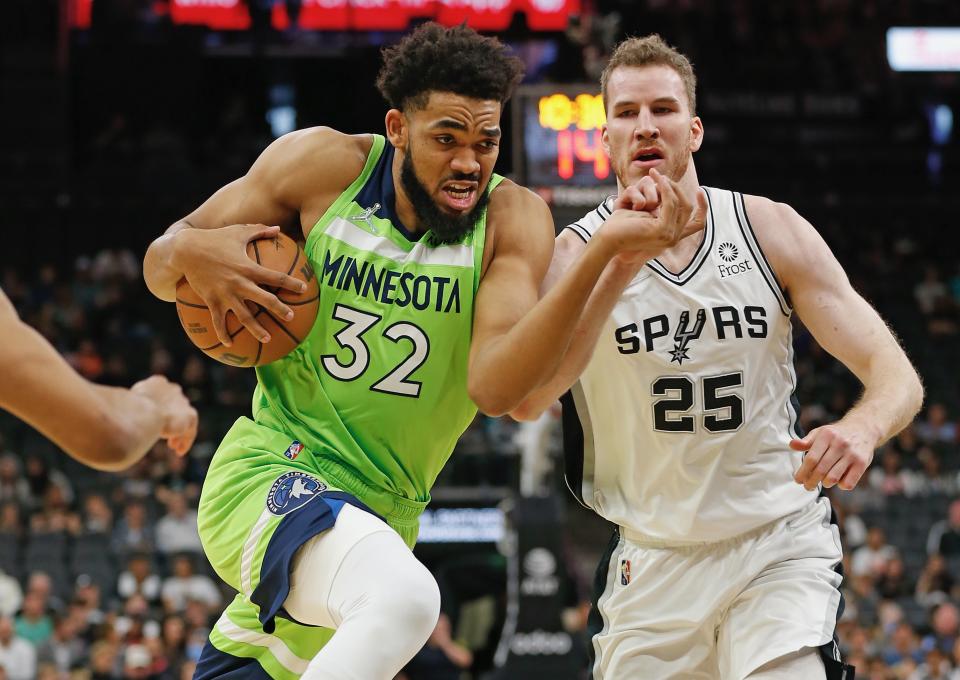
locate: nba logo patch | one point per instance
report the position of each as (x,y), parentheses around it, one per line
(293,450)
(292,491)
(624,572)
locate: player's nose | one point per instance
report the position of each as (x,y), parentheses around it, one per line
(465,161)
(645,127)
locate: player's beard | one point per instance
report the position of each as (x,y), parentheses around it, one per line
(674,169)
(444,227)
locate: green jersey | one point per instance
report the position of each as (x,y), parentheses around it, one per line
(378,389)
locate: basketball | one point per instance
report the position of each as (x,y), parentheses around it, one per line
(280,253)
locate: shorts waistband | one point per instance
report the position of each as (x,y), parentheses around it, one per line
(647,541)
(393,507)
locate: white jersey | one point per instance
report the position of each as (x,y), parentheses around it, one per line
(678,430)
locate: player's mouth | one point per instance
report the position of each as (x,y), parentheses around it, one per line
(647,158)
(459,196)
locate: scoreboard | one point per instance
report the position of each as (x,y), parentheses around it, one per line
(358,15)
(558,141)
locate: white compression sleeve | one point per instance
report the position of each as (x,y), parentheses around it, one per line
(361,579)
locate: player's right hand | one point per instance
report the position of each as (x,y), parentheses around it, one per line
(215,263)
(179,417)
(643,233)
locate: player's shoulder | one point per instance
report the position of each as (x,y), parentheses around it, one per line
(764,212)
(316,158)
(323,147)
(516,210)
(508,197)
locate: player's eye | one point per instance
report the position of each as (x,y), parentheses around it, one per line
(627,113)
(488,144)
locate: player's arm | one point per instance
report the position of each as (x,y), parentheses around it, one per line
(615,278)
(849,329)
(107,428)
(518,342)
(208,246)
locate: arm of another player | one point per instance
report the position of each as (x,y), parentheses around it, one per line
(208,246)
(107,428)
(618,274)
(518,342)
(849,329)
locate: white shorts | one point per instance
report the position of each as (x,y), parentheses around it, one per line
(718,610)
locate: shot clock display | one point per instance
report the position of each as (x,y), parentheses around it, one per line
(560,130)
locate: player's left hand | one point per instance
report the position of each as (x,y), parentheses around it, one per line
(836,454)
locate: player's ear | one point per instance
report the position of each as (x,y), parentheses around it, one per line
(397,130)
(605,139)
(696,133)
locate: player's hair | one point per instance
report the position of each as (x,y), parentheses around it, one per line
(651,50)
(438,59)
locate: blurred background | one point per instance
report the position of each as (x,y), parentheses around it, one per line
(117,117)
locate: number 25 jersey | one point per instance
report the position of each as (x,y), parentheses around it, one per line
(679,428)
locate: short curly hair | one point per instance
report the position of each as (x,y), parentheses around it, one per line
(437,59)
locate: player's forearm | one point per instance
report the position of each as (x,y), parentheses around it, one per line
(159,271)
(892,396)
(529,354)
(599,306)
(107,428)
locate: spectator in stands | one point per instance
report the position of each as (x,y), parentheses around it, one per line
(944,536)
(41,585)
(184,585)
(33,624)
(10,524)
(903,644)
(13,485)
(944,624)
(889,478)
(97,515)
(442,658)
(177,530)
(17,656)
(11,596)
(178,477)
(936,666)
(41,477)
(132,533)
(892,582)
(86,601)
(103,658)
(139,579)
(871,558)
(174,640)
(935,582)
(64,649)
(929,290)
(930,479)
(937,428)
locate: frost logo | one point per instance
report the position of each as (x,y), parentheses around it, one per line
(727,252)
(540,566)
(292,491)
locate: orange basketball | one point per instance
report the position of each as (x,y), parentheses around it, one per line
(280,253)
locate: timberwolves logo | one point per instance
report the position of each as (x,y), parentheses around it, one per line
(727,252)
(685,334)
(292,491)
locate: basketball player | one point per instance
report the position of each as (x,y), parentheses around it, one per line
(680,421)
(107,428)
(429,268)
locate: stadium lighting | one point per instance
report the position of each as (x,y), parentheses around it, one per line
(923,49)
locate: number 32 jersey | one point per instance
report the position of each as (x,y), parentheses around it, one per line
(377,392)
(678,430)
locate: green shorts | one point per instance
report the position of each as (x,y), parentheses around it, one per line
(263,498)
